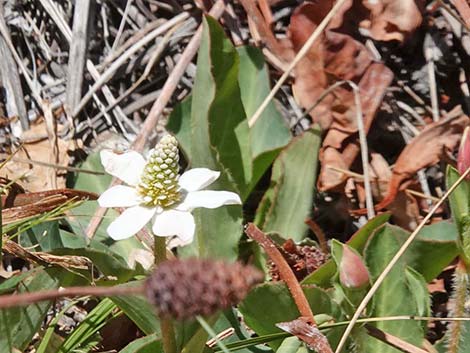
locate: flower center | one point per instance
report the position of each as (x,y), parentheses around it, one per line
(159,181)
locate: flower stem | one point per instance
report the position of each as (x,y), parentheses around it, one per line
(166,325)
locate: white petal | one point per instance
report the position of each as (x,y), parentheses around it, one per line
(208,199)
(172,222)
(119,196)
(142,256)
(127,166)
(130,222)
(174,242)
(197,178)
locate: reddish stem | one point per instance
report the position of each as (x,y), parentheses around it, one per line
(316,229)
(287,275)
(22,299)
(318,340)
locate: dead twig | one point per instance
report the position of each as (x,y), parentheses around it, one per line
(78,54)
(126,55)
(11,82)
(22,299)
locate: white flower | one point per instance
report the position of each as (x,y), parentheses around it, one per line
(156,193)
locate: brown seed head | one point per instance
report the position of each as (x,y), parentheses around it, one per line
(183,289)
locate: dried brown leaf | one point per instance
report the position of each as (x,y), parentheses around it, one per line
(424,150)
(392,20)
(34,203)
(335,57)
(37,147)
(260,19)
(43,258)
(340,146)
(404,208)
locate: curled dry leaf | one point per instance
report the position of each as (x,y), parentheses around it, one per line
(423,151)
(404,207)
(37,148)
(336,57)
(10,190)
(43,258)
(391,19)
(307,332)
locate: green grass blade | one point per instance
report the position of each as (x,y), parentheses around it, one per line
(94,321)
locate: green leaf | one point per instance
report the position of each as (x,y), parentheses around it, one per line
(460,206)
(139,311)
(49,238)
(353,280)
(18,325)
(196,340)
(219,141)
(89,327)
(109,263)
(10,284)
(322,276)
(220,131)
(47,339)
(417,286)
(270,133)
(271,303)
(289,199)
(147,344)
(213,132)
(389,300)
(292,345)
(179,123)
(459,199)
(433,249)
(255,341)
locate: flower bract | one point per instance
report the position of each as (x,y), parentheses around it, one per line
(156,193)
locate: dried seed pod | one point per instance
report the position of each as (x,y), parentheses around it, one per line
(303,259)
(183,289)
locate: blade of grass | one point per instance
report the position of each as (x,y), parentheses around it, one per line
(50,330)
(93,322)
(212,334)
